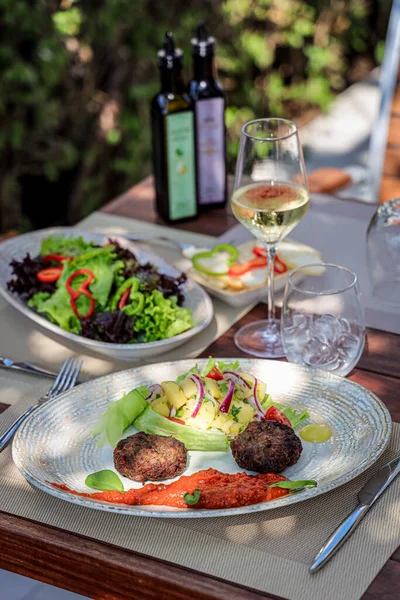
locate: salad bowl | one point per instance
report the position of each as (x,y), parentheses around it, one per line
(195,298)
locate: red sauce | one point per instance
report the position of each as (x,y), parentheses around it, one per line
(217,490)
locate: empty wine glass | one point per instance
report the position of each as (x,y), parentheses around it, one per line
(323,318)
(270,198)
(383,252)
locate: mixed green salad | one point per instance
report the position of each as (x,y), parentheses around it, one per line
(203,409)
(101,292)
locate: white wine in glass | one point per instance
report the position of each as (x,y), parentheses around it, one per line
(270,198)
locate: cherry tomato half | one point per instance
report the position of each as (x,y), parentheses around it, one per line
(215,374)
(273,414)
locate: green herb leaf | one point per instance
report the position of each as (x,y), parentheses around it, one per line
(235,410)
(210,364)
(192,498)
(292,485)
(104,481)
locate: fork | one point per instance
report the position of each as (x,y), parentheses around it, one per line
(151,239)
(64,381)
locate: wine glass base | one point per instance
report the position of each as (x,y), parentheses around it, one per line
(261,338)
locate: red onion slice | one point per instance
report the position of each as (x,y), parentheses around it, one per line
(226,402)
(154,390)
(237,379)
(172,411)
(200,393)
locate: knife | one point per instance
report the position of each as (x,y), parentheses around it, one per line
(371,491)
(8,363)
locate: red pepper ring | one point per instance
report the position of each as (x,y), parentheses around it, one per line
(82,289)
(49,275)
(56,257)
(124,298)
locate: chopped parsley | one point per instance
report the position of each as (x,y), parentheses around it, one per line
(235,410)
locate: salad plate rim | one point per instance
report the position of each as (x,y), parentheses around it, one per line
(23,308)
(371,455)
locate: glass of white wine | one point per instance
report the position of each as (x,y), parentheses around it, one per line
(270,198)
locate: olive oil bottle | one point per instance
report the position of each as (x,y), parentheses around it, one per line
(172,121)
(209,108)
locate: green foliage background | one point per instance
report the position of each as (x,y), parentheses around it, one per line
(77,78)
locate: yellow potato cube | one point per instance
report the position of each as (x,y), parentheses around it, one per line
(174,393)
(204,417)
(222,422)
(236,428)
(187,409)
(160,405)
(189,387)
(246,413)
(212,388)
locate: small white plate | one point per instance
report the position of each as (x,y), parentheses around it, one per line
(293,253)
(195,297)
(55,445)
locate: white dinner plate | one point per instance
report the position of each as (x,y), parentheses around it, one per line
(54,445)
(195,297)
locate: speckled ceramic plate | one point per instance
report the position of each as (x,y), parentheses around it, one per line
(54,444)
(195,297)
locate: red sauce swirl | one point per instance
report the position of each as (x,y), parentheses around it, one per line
(217,490)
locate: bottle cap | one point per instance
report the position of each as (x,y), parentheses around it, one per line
(169,56)
(203,44)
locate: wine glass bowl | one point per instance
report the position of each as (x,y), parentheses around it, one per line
(270,197)
(322,319)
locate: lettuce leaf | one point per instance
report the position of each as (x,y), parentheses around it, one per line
(209,366)
(150,421)
(57,308)
(120,414)
(181,378)
(64,246)
(161,318)
(296,417)
(225,366)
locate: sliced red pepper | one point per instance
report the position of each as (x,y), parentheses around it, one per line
(49,275)
(56,257)
(215,374)
(273,414)
(260,251)
(279,265)
(124,298)
(242,268)
(82,289)
(177,420)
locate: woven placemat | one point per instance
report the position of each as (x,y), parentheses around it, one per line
(269,551)
(22,339)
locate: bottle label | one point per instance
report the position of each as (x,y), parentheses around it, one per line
(181,165)
(210,128)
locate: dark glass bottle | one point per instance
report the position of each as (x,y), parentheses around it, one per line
(209,108)
(172,122)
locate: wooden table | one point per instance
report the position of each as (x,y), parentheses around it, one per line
(102,571)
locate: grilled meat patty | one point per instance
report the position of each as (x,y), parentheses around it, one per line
(144,457)
(266,447)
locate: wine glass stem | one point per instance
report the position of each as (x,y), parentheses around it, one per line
(271,251)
